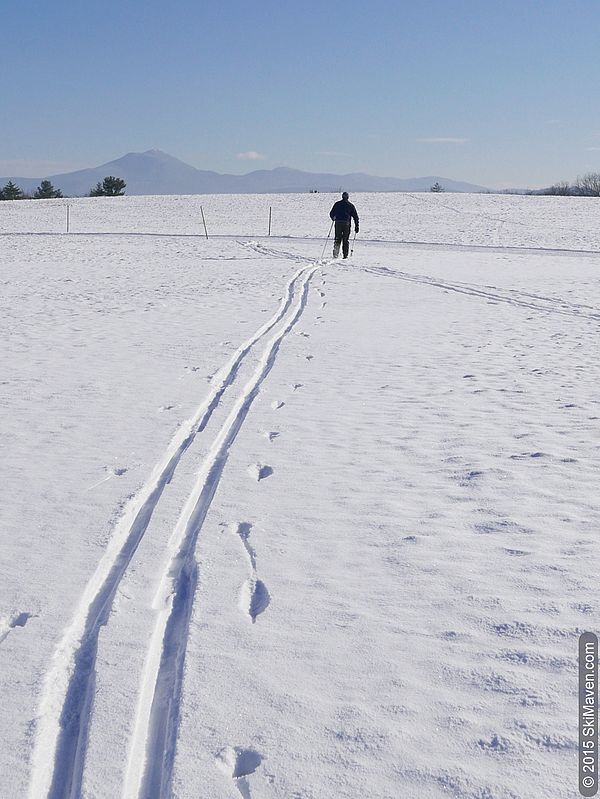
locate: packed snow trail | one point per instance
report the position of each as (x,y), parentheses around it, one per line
(152,752)
(64,714)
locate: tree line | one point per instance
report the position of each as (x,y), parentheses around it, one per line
(109,187)
(586,186)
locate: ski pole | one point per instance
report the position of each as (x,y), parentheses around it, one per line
(353,240)
(326,240)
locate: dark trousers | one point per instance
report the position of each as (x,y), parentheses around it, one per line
(342,236)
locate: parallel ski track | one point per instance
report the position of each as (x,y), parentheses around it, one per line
(262,249)
(65,706)
(153,743)
(534,302)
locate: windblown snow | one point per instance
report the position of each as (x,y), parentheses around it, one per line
(275,525)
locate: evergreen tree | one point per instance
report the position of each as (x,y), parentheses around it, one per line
(110,187)
(46,191)
(11,192)
(97,191)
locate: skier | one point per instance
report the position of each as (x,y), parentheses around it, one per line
(342,213)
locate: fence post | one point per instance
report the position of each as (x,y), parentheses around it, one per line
(204,222)
(270,210)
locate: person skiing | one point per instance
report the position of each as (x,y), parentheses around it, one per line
(342,213)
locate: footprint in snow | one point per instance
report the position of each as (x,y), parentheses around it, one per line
(296,386)
(20,620)
(272,435)
(309,357)
(524,455)
(260,471)
(111,471)
(243,530)
(496,744)
(254,598)
(277,404)
(238,764)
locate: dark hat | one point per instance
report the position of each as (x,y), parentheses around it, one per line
(345,195)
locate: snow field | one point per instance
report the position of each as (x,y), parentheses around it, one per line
(358,497)
(479,220)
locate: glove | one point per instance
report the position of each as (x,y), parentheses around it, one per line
(356,229)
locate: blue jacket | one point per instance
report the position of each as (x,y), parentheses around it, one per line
(344,211)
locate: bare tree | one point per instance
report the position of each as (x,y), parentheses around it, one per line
(560,189)
(589,185)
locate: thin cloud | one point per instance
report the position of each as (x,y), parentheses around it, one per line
(36,169)
(593,149)
(251,155)
(333,154)
(443,140)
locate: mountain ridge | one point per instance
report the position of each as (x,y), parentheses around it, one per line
(156,172)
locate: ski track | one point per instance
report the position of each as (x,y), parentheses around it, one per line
(261,249)
(478,215)
(65,707)
(534,302)
(152,750)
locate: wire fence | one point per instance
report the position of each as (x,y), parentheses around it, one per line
(463,219)
(195,215)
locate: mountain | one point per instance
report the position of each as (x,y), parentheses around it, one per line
(156,172)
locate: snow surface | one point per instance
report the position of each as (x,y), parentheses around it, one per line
(278,526)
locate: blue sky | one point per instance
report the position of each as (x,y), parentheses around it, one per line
(496,92)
